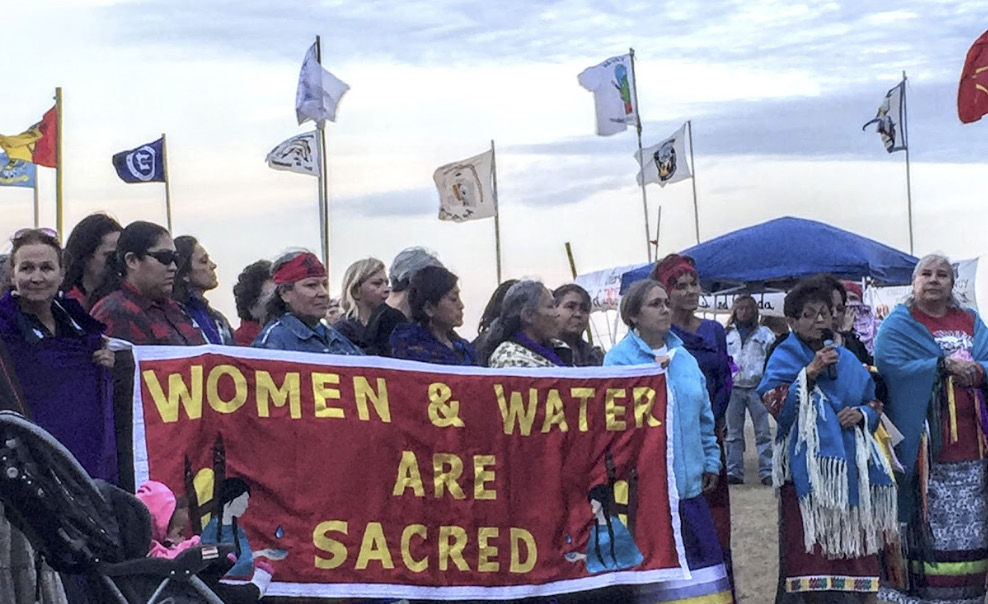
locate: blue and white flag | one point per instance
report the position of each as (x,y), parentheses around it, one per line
(16,172)
(318,93)
(891,119)
(143,164)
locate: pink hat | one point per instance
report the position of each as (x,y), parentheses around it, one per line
(160,501)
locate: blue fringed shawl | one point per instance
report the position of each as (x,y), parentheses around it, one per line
(843,481)
(907,356)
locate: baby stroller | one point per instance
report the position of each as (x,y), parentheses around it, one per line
(81,526)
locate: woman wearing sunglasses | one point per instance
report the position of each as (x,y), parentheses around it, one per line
(139,308)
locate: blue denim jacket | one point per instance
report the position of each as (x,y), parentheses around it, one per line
(289,333)
(694,445)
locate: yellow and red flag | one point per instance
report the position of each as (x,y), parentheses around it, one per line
(972,93)
(37,144)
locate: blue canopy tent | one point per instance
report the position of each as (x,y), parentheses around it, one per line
(773,254)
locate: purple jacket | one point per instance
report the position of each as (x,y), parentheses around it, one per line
(709,347)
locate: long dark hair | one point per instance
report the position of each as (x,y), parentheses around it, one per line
(520,297)
(230,489)
(605,496)
(137,238)
(493,308)
(185,247)
(82,243)
(428,286)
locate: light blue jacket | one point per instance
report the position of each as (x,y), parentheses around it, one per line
(694,445)
(287,332)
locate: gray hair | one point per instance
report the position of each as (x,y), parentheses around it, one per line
(520,297)
(273,305)
(926,261)
(407,263)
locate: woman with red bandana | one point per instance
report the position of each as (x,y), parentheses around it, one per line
(298,307)
(706,340)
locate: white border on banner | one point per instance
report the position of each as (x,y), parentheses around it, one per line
(385,590)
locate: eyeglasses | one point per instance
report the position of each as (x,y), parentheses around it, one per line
(166,257)
(21,233)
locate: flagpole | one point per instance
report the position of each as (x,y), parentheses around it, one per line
(37,201)
(641,160)
(909,189)
(323,182)
(58,163)
(658,230)
(168,187)
(696,209)
(572,270)
(497,214)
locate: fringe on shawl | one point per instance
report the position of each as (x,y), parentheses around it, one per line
(841,531)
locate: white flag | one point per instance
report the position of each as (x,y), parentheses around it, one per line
(666,162)
(319,92)
(613,91)
(890,119)
(297,154)
(466,189)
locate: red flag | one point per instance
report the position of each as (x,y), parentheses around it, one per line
(44,150)
(972,94)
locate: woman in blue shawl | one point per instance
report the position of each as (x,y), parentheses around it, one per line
(837,495)
(933,356)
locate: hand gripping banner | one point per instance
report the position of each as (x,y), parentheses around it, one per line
(371,477)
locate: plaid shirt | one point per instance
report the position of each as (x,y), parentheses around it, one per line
(130,316)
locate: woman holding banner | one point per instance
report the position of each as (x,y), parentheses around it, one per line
(835,486)
(934,354)
(59,358)
(434,299)
(645,310)
(59,354)
(298,307)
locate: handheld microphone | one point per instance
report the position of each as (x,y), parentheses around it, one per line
(828,340)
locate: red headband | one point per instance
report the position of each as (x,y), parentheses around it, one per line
(300,267)
(853,287)
(672,268)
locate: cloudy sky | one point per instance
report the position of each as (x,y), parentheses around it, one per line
(777,92)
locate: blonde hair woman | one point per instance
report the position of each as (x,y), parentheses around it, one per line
(365,289)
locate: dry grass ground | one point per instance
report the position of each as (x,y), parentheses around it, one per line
(755,533)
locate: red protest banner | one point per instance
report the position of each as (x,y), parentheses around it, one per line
(371,477)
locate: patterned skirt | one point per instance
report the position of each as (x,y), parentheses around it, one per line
(709,583)
(802,571)
(957,500)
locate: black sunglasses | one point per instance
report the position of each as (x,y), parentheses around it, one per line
(166,257)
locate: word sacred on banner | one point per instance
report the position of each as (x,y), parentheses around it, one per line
(373,477)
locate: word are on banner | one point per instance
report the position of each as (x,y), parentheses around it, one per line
(374,477)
